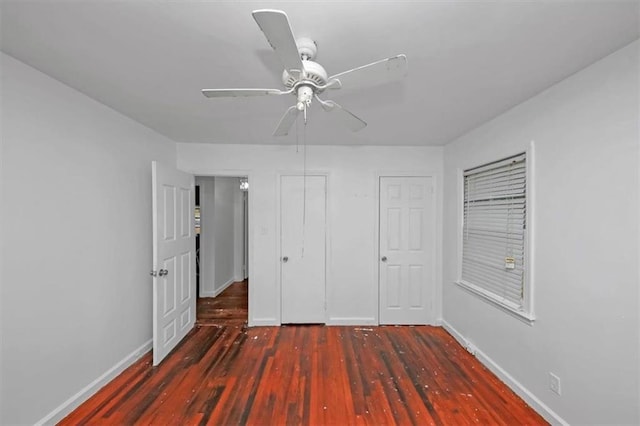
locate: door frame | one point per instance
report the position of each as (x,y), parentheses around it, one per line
(327,245)
(437,232)
(245,234)
(249,175)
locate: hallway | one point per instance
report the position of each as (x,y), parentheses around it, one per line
(228,308)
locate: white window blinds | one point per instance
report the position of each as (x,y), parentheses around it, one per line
(494,231)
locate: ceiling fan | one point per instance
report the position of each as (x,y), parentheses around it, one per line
(306,79)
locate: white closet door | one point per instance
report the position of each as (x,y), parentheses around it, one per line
(302,257)
(406,264)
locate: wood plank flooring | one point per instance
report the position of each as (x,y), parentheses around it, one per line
(311,375)
(230,307)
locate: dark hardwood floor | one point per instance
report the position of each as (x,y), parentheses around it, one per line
(230,307)
(311,375)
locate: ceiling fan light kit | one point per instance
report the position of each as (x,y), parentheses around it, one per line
(306,79)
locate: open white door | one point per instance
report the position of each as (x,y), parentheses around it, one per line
(174,267)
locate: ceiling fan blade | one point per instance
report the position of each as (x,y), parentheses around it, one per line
(346,117)
(276,28)
(383,71)
(287,121)
(235,93)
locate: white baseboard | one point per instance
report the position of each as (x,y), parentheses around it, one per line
(72,403)
(223,287)
(352,321)
(262,322)
(524,393)
(215,293)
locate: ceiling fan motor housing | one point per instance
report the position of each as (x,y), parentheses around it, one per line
(307,48)
(314,72)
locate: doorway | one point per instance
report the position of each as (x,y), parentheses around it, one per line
(222,249)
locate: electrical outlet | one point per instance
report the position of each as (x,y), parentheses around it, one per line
(554,383)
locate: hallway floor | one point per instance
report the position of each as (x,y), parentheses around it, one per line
(228,308)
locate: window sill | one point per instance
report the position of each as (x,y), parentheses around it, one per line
(526,317)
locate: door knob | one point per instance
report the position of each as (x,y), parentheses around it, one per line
(383,258)
(163,272)
(285,259)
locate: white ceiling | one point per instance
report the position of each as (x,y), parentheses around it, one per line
(468,60)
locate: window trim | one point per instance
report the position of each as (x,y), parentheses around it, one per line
(526,313)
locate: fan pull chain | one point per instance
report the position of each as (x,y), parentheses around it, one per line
(297,134)
(304,177)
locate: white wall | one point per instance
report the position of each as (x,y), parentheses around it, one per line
(225,239)
(76,210)
(352,283)
(238,231)
(586,244)
(207,253)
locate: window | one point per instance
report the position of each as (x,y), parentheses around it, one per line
(494,234)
